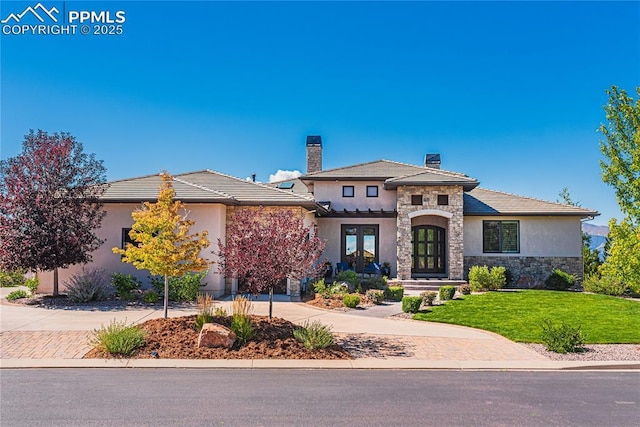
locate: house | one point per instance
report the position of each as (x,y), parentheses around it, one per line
(425,221)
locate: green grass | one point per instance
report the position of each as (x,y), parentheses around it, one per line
(518,315)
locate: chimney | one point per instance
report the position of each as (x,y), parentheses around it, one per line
(432,161)
(314,153)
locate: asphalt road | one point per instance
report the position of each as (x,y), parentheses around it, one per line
(208,397)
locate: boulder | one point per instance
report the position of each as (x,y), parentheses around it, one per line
(214,335)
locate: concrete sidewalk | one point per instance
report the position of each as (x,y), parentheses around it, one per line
(37,337)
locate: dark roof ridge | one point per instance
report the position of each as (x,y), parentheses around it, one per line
(536,199)
(436,172)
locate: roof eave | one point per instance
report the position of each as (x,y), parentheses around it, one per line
(466,186)
(578,214)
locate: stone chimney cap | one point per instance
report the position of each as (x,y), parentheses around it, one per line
(314,140)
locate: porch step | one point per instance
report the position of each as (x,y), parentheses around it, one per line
(422,285)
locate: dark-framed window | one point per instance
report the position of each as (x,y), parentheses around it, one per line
(359,245)
(416,199)
(443,199)
(372,191)
(348,191)
(501,236)
(127,239)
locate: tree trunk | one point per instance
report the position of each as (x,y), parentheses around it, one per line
(55,282)
(270,302)
(166,295)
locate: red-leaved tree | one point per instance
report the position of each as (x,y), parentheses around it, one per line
(49,204)
(264,247)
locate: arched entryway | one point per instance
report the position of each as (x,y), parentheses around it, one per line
(429,249)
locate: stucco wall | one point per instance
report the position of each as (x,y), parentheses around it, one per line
(329,229)
(332,191)
(539,236)
(210,217)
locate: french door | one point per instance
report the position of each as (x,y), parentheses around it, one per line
(429,246)
(359,245)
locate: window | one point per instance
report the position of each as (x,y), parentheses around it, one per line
(501,236)
(347,191)
(126,239)
(416,200)
(443,199)
(372,191)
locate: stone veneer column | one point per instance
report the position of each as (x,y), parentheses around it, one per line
(455,238)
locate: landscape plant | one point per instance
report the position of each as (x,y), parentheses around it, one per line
(10,278)
(88,285)
(376,296)
(181,288)
(464,289)
(32,284)
(559,280)
(562,338)
(351,300)
(124,284)
(446,293)
(483,278)
(17,294)
(411,304)
(163,243)
(241,323)
(263,247)
(50,207)
(205,310)
(314,335)
(395,293)
(118,338)
(428,297)
(350,277)
(606,285)
(150,296)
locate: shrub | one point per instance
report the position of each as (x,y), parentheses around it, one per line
(480,277)
(348,276)
(11,278)
(428,297)
(118,338)
(124,284)
(376,282)
(150,297)
(395,293)
(32,283)
(411,304)
(446,292)
(220,312)
(351,300)
(205,310)
(464,289)
(18,294)
(563,338)
(88,285)
(242,326)
(607,285)
(314,335)
(559,280)
(359,289)
(327,291)
(320,287)
(241,306)
(183,288)
(376,296)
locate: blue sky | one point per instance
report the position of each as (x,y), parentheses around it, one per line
(510,93)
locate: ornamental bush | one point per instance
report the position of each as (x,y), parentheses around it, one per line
(11,278)
(314,335)
(350,277)
(376,296)
(607,285)
(118,338)
(446,292)
(18,294)
(124,284)
(32,283)
(88,285)
(428,297)
(481,278)
(561,338)
(464,289)
(411,304)
(395,293)
(351,300)
(181,289)
(560,280)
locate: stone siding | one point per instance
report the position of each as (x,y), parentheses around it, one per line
(527,271)
(455,241)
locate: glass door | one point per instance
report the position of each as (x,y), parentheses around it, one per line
(429,246)
(359,245)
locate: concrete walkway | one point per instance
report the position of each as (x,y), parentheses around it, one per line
(31,337)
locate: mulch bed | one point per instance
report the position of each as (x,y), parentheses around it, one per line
(335,302)
(176,338)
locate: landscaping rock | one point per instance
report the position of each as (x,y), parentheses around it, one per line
(215,335)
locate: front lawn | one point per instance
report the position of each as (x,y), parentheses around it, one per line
(518,315)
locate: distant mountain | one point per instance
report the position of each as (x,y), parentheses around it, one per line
(598,235)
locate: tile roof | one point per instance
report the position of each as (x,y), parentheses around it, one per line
(376,170)
(480,201)
(298,186)
(432,177)
(205,186)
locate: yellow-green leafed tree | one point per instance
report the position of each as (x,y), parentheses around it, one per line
(163,244)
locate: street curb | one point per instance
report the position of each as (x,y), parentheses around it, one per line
(359,364)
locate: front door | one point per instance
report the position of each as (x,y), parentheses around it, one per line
(359,245)
(428,255)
